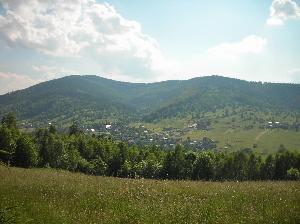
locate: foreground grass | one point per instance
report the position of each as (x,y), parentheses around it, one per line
(49,196)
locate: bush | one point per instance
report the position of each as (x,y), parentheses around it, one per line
(293,174)
(85,167)
(26,154)
(5,156)
(7,141)
(100,167)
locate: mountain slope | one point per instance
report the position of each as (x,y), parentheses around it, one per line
(209,93)
(68,97)
(95,98)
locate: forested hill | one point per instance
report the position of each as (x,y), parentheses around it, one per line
(93,97)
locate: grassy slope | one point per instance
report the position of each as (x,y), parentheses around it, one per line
(268,141)
(234,135)
(48,196)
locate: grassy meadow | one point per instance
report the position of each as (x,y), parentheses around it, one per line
(51,196)
(267,141)
(231,132)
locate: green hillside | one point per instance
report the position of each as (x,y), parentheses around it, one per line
(102,98)
(209,93)
(235,112)
(67,98)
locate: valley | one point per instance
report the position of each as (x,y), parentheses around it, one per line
(137,112)
(232,114)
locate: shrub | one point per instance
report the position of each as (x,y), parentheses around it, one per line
(26,154)
(293,174)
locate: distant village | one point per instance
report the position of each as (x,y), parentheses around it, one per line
(142,136)
(169,136)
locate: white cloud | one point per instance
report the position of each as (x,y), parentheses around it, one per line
(294,71)
(12,81)
(41,26)
(81,28)
(51,72)
(87,37)
(249,45)
(294,75)
(282,10)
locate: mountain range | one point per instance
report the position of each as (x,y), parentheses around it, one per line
(92,97)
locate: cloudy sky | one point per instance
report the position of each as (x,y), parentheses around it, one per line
(148,41)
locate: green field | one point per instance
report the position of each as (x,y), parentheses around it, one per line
(231,131)
(50,196)
(267,141)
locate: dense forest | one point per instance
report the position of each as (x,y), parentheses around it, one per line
(100,155)
(92,98)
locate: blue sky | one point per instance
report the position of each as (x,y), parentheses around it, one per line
(148,41)
(182,27)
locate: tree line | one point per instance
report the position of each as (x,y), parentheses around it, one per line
(97,155)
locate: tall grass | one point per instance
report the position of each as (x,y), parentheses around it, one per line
(50,196)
